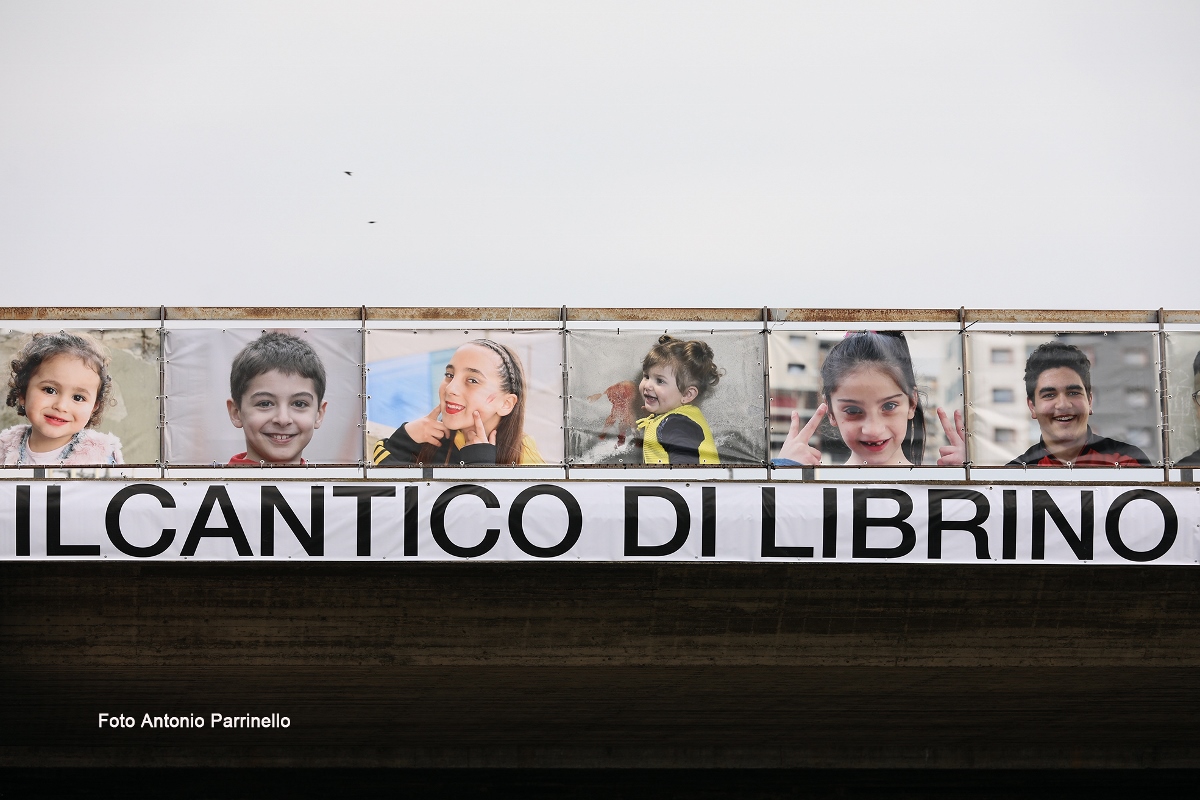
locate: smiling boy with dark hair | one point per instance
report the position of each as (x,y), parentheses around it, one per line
(277,398)
(1058,388)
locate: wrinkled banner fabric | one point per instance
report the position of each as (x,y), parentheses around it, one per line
(598,521)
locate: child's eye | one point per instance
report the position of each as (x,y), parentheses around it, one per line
(472,380)
(78,398)
(300,404)
(852,411)
(448,375)
(890,405)
(263,404)
(49,390)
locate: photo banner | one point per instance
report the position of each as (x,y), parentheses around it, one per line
(598,521)
(680,397)
(128,415)
(1022,397)
(301,397)
(431,383)
(811,369)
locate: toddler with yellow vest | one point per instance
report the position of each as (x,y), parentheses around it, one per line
(675,374)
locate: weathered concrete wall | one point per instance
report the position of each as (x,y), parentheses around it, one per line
(593,665)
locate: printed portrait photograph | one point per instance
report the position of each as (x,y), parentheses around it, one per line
(866,398)
(263,397)
(1183,397)
(1073,399)
(456,398)
(676,398)
(80,397)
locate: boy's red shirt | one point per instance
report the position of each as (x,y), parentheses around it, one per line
(240,460)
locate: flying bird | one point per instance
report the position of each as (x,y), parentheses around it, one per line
(370,222)
(349,173)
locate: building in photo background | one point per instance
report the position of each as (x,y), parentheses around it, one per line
(797,357)
(1125,391)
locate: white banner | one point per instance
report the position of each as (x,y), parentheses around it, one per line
(600,521)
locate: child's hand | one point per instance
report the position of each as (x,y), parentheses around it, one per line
(477,434)
(954,453)
(427,429)
(795,446)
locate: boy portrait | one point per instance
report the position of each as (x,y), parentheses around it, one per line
(277,398)
(254,397)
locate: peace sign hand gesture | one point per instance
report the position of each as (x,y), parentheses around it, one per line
(795,446)
(955,453)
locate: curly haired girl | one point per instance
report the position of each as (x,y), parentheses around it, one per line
(60,382)
(675,374)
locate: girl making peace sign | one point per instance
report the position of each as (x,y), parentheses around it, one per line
(872,401)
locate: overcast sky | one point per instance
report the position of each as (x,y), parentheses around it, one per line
(830,154)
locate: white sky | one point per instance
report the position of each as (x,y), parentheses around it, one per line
(831,154)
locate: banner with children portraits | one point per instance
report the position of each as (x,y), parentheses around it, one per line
(464,397)
(666,399)
(1071,399)
(61,410)
(866,398)
(300,397)
(1183,397)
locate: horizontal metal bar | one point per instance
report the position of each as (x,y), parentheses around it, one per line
(864,315)
(1181,316)
(78,313)
(220,314)
(664,315)
(1091,315)
(465,314)
(552,314)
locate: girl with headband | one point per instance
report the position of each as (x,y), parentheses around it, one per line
(479,419)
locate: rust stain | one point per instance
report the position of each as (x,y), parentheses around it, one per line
(664,314)
(864,315)
(80,313)
(1086,316)
(553,314)
(452,313)
(348,313)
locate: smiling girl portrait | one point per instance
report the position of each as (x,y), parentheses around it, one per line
(60,383)
(479,418)
(464,398)
(873,404)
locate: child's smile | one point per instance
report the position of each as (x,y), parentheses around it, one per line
(472,384)
(871,412)
(1061,405)
(660,391)
(278,414)
(59,401)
